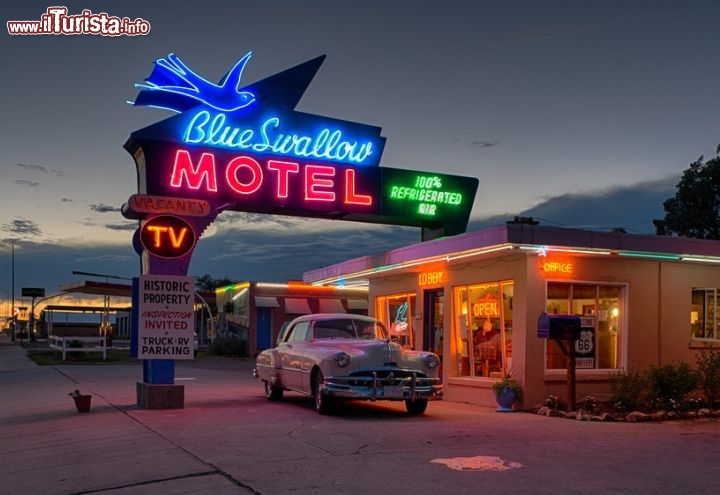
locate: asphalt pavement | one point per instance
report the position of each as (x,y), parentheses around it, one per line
(228,439)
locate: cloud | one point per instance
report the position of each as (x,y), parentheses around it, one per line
(32,166)
(107,258)
(257,252)
(28,183)
(103,208)
(22,226)
(121,226)
(243,220)
(285,255)
(66,200)
(40,168)
(630,207)
(484,144)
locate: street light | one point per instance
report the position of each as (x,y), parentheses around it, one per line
(100,275)
(6,297)
(11,242)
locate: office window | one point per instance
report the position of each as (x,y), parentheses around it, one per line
(601,311)
(703,314)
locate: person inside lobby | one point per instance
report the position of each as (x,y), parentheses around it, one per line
(487,349)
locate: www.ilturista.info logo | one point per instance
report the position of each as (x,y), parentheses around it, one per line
(57,21)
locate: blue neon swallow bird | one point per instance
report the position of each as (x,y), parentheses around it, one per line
(172,85)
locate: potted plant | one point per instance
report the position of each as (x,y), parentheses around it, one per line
(82,401)
(507,391)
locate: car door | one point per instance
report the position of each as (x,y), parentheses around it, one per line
(290,355)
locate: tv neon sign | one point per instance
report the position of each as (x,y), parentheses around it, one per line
(167,236)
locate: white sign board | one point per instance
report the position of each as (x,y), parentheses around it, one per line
(166,321)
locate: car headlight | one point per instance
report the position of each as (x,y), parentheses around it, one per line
(431,361)
(342,359)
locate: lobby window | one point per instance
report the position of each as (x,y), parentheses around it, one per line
(483,328)
(396,311)
(601,311)
(703,314)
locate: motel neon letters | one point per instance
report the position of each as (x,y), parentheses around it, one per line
(244,175)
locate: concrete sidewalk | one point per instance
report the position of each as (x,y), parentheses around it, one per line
(228,439)
(47,447)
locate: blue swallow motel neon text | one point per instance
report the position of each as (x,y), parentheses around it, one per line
(207,129)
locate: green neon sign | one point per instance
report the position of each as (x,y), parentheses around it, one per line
(427,197)
(428,192)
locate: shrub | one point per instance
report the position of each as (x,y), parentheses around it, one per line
(227,346)
(670,383)
(708,363)
(627,388)
(589,404)
(555,403)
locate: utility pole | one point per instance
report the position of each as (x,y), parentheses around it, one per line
(12,292)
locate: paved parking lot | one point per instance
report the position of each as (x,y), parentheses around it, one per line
(229,440)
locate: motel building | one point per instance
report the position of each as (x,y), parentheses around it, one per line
(475,299)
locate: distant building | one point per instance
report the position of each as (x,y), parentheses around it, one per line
(255,311)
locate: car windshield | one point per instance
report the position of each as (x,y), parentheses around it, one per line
(349,328)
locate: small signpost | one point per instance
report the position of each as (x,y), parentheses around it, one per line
(562,329)
(166,322)
(32,292)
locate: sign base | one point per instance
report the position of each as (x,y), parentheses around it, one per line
(151,396)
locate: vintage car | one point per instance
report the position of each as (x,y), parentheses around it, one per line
(345,356)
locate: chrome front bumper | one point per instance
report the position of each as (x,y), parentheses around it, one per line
(382,388)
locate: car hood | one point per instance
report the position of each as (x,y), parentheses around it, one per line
(374,351)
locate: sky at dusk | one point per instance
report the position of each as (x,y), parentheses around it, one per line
(579,113)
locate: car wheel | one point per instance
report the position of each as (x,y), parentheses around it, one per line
(416,406)
(272,392)
(323,403)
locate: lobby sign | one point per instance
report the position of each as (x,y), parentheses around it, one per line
(166,317)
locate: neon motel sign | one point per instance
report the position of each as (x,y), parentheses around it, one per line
(244,147)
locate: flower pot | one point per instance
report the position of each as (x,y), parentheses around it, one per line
(505,398)
(82,402)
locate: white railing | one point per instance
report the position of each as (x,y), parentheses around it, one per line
(65,344)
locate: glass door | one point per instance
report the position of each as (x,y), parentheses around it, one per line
(434,316)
